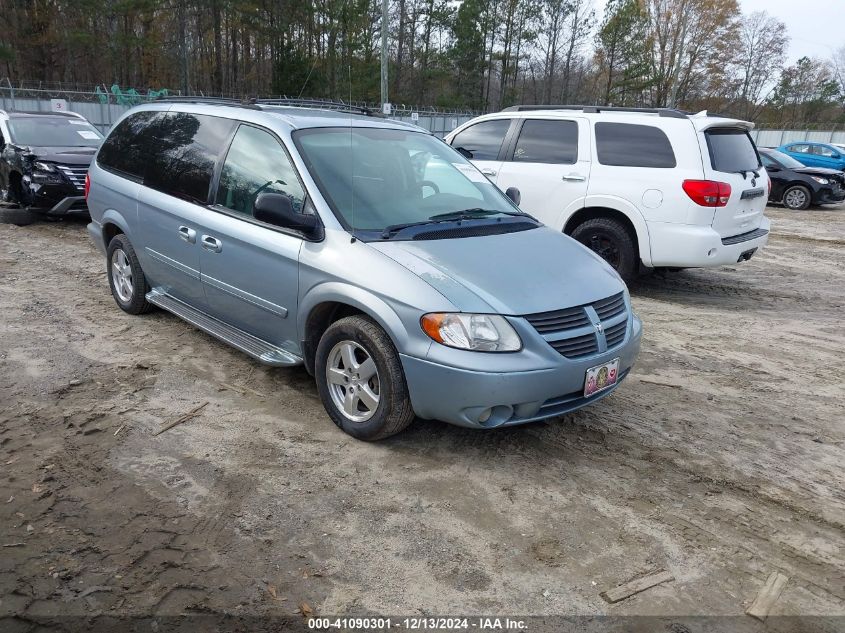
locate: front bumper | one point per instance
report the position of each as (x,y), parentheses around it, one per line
(828,195)
(55,199)
(690,246)
(460,396)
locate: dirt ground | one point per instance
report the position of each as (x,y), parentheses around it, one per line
(721,459)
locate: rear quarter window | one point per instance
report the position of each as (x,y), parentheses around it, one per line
(127,150)
(732,150)
(631,145)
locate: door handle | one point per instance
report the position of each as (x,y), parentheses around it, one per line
(574,178)
(212,244)
(488,172)
(188,234)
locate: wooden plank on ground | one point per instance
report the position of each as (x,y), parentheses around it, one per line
(768,595)
(636,586)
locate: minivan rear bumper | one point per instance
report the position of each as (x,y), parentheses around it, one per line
(460,396)
(690,246)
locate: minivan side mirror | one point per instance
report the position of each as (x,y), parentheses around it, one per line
(514,195)
(277,209)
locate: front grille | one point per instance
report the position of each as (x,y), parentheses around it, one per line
(559,320)
(615,334)
(572,332)
(585,345)
(75,173)
(610,307)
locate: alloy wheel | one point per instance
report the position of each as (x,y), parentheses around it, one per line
(353,381)
(121,275)
(795,199)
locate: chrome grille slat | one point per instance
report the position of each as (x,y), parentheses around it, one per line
(75,174)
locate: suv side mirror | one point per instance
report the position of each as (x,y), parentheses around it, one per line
(514,195)
(277,209)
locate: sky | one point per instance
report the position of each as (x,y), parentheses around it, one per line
(816,27)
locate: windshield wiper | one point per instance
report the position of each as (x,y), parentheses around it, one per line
(475,212)
(465,214)
(393,229)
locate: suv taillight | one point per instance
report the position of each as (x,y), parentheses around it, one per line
(708,193)
(87,186)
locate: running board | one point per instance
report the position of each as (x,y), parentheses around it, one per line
(259,349)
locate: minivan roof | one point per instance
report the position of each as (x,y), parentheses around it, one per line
(297,114)
(24,114)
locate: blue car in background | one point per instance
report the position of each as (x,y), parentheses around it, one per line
(816,154)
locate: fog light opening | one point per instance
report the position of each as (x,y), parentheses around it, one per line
(711,252)
(485,415)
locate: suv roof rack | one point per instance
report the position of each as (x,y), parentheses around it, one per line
(223,101)
(319,104)
(592,109)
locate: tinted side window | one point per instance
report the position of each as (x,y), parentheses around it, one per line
(186,151)
(767,161)
(256,164)
(128,149)
(483,141)
(547,142)
(629,145)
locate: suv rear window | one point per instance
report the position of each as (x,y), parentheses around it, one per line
(482,141)
(731,150)
(543,141)
(630,145)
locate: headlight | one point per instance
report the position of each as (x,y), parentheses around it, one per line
(820,180)
(476,332)
(40,166)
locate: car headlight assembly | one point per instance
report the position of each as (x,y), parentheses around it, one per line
(474,332)
(42,166)
(820,180)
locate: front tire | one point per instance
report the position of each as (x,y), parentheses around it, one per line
(128,284)
(360,380)
(797,198)
(611,240)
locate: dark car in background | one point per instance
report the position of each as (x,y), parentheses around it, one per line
(44,158)
(798,186)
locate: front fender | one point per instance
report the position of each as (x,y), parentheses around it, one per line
(625,208)
(395,325)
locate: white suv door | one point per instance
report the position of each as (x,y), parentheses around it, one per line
(482,143)
(549,162)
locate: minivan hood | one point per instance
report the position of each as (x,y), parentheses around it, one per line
(513,273)
(64,155)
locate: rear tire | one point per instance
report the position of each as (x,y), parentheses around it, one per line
(797,198)
(128,284)
(360,380)
(610,240)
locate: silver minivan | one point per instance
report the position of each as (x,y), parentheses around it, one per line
(366,249)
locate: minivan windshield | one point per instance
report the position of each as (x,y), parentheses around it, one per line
(732,150)
(381,180)
(53,131)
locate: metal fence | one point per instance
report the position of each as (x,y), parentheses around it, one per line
(776,138)
(101,110)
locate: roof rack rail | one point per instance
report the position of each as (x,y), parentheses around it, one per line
(320,104)
(224,101)
(593,109)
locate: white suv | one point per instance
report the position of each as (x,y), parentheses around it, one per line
(652,186)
